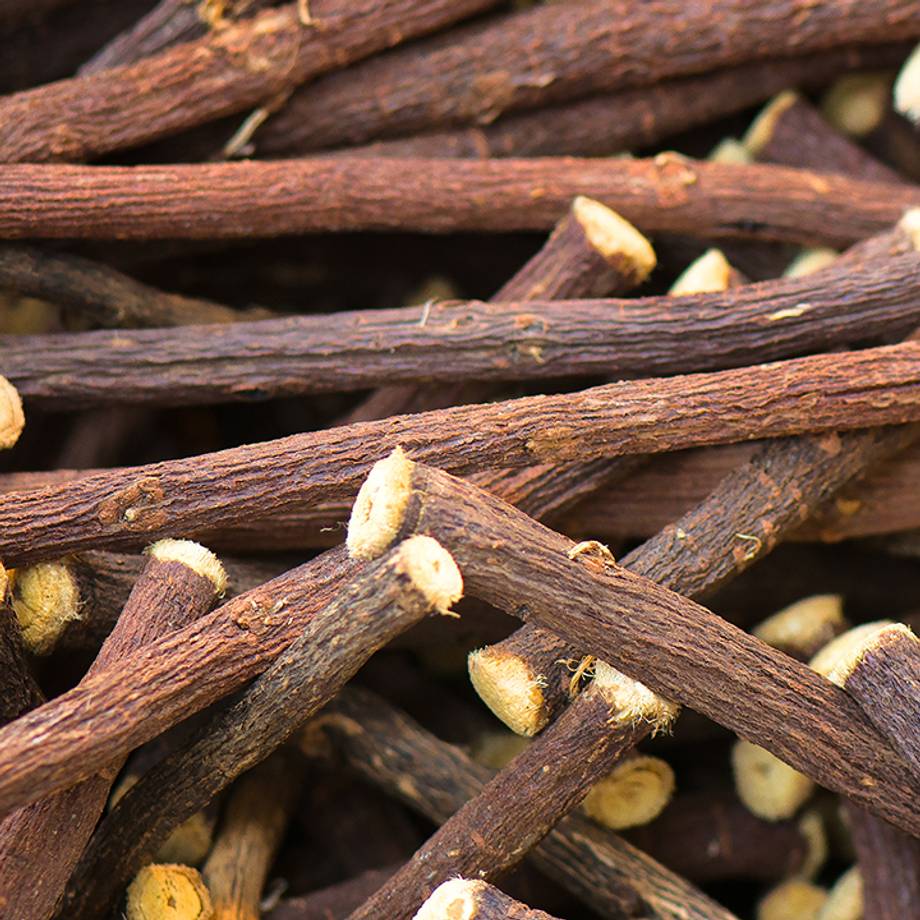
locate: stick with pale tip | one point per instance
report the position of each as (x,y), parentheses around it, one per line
(165,891)
(12,419)
(473,899)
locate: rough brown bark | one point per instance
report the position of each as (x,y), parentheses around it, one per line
(475,900)
(388,748)
(382,601)
(118,508)
(471,341)
(599,125)
(179,583)
(104,295)
(19,691)
(335,902)
(232,200)
(552,53)
(227,71)
(670,643)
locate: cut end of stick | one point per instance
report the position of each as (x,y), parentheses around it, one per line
(635,792)
(497,749)
(792,900)
(432,570)
(854,652)
(193,556)
(804,626)
(45,598)
(710,272)
(907,88)
(190,842)
(12,418)
(760,132)
(844,646)
(511,690)
(769,788)
(615,238)
(856,104)
(168,892)
(457,899)
(809,261)
(845,899)
(731,151)
(634,702)
(909,225)
(811,827)
(378,511)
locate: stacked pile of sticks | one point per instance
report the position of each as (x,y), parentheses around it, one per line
(285,502)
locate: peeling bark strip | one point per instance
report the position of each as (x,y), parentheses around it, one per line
(235,200)
(551,53)
(877,386)
(386,598)
(179,583)
(227,71)
(468,341)
(475,900)
(676,647)
(436,779)
(517,807)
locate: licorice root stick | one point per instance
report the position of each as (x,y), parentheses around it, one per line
(475,900)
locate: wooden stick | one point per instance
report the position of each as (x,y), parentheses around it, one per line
(104,295)
(12,420)
(19,691)
(235,200)
(224,72)
(116,509)
(496,828)
(845,898)
(881,671)
(73,604)
(907,89)
(768,786)
(596,126)
(384,600)
(475,900)
(545,55)
(252,828)
(790,131)
(673,645)
(806,626)
(387,748)
(168,892)
(795,898)
(180,582)
(335,901)
(452,341)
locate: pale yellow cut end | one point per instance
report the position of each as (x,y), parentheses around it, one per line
(634,701)
(811,826)
(907,88)
(909,225)
(168,892)
(632,794)
(508,686)
(809,261)
(12,419)
(379,509)
(731,151)
(710,272)
(4,581)
(457,899)
(760,132)
(856,104)
(497,749)
(792,900)
(843,647)
(769,788)
(194,556)
(432,570)
(614,237)
(45,598)
(807,624)
(845,899)
(190,842)
(848,660)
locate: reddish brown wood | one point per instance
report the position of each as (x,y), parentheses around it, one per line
(19,691)
(227,71)
(673,645)
(477,900)
(335,902)
(53,831)
(552,53)
(234,200)
(121,507)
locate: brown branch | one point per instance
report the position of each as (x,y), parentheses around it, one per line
(115,509)
(475,900)
(391,751)
(549,54)
(470,341)
(335,901)
(19,691)
(179,583)
(382,601)
(224,72)
(235,200)
(670,643)
(596,126)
